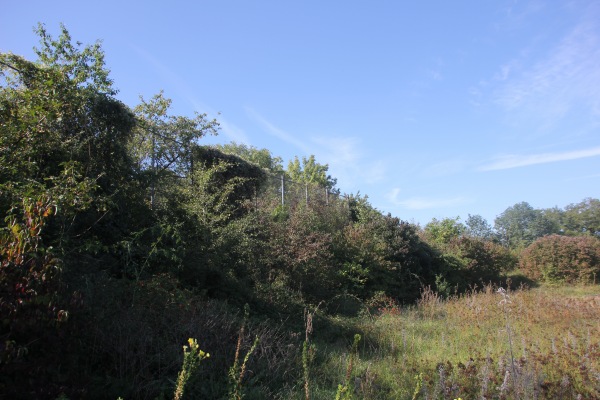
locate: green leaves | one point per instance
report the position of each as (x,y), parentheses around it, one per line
(521,224)
(443,231)
(164,142)
(562,259)
(261,157)
(310,171)
(83,66)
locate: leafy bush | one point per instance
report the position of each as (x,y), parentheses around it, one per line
(467,261)
(483,260)
(562,259)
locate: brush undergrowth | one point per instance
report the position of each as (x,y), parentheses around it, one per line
(490,343)
(542,343)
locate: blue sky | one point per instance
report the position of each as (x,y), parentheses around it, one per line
(432,109)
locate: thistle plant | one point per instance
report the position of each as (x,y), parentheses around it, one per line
(504,304)
(192,356)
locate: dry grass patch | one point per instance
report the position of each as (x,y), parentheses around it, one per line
(542,343)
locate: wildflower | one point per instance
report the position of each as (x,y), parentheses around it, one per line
(505,296)
(504,387)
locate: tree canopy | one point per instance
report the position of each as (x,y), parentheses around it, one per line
(521,224)
(310,171)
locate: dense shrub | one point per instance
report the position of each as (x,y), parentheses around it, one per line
(384,255)
(562,259)
(467,261)
(301,254)
(483,260)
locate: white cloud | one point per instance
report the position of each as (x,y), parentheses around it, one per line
(234,133)
(566,80)
(347,162)
(277,132)
(424,203)
(341,150)
(515,161)
(344,155)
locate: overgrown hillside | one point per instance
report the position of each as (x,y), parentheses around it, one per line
(124,236)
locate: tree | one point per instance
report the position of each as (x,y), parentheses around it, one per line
(478,227)
(521,224)
(63,135)
(261,157)
(162,144)
(59,109)
(442,231)
(83,67)
(480,260)
(310,171)
(64,173)
(583,217)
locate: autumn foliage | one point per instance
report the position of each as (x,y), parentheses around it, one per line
(562,259)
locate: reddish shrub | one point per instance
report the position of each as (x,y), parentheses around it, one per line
(562,259)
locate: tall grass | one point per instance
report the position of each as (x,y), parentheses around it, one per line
(542,343)
(485,344)
(536,344)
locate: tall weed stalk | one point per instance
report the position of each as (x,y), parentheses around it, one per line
(344,392)
(237,371)
(192,356)
(504,303)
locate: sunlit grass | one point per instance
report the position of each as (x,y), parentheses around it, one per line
(460,348)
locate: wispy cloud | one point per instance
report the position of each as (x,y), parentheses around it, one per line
(348,162)
(167,75)
(277,132)
(518,14)
(184,91)
(344,155)
(516,161)
(233,132)
(435,75)
(424,203)
(566,80)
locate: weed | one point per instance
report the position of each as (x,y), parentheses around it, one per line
(192,356)
(237,371)
(344,391)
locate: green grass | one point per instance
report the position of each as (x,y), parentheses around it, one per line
(460,348)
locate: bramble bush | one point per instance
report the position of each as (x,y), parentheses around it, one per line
(562,259)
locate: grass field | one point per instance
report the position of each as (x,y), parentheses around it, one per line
(541,343)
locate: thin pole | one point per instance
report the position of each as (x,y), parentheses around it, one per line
(282,191)
(306,192)
(153,183)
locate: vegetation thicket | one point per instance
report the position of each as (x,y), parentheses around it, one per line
(562,259)
(124,238)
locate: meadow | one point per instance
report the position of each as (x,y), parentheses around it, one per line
(541,343)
